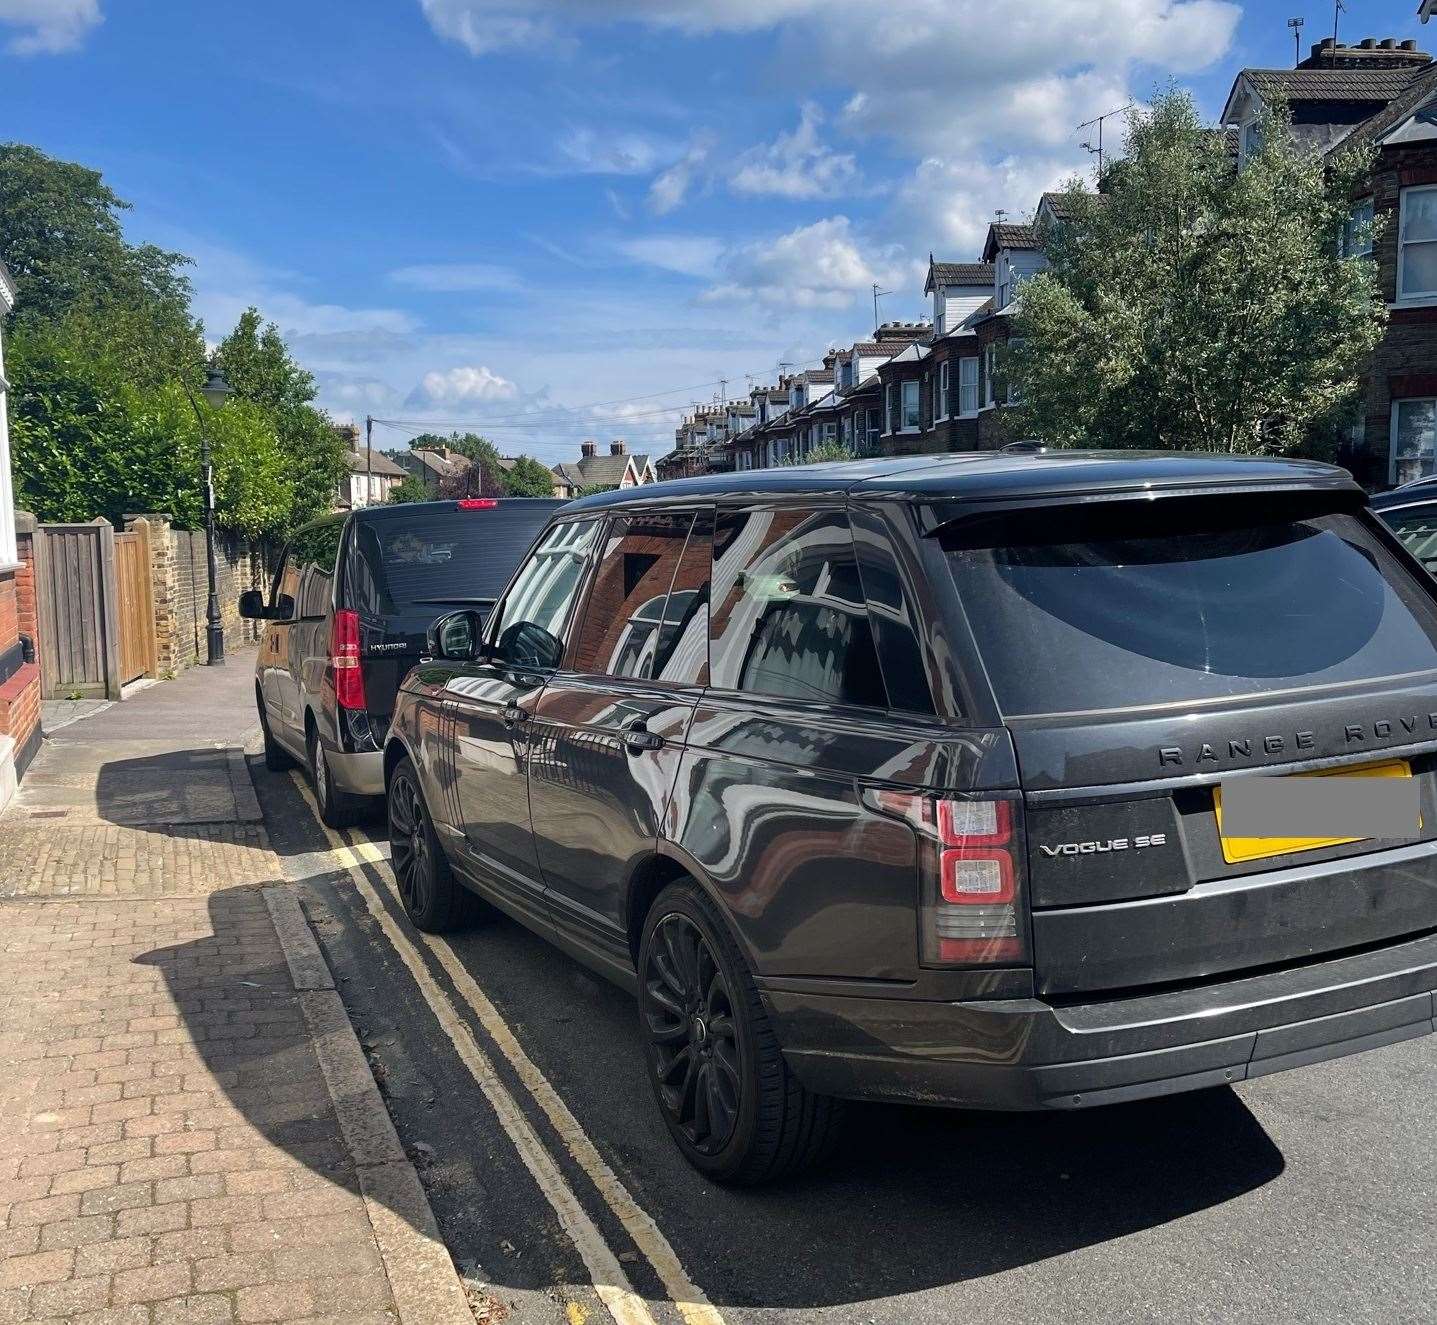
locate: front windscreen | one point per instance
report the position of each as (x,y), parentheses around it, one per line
(1133,614)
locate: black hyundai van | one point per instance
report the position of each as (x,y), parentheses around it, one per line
(908,780)
(350,605)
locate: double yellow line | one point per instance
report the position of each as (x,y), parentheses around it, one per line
(612,1285)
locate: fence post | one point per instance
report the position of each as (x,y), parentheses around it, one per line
(109,624)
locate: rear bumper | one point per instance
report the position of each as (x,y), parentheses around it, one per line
(360,774)
(1026,1054)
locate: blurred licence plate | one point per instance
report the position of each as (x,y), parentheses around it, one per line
(1238,849)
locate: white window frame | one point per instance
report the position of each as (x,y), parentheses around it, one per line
(976,386)
(990,362)
(940,393)
(913,406)
(1392,477)
(890,409)
(1421,296)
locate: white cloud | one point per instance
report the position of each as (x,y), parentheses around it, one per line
(589,152)
(823,265)
(485,26)
(48,27)
(454,276)
(461,386)
(947,204)
(669,189)
(796,165)
(688,255)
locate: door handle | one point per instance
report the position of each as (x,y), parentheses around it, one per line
(639,738)
(514,716)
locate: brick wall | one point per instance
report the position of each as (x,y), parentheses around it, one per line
(180,586)
(20,691)
(1405,364)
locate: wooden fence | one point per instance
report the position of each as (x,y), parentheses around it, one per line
(95,609)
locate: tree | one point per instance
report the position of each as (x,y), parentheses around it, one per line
(824,453)
(410,489)
(60,236)
(1194,305)
(528,477)
(257,364)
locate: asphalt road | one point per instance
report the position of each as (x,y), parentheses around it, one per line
(1308,1195)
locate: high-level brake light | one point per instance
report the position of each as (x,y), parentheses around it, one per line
(477,503)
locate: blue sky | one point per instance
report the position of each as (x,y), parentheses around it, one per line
(554,219)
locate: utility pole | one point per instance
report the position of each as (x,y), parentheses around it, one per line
(1339,8)
(877,295)
(368,457)
(723,392)
(1296,25)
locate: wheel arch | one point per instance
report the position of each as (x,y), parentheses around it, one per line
(655,872)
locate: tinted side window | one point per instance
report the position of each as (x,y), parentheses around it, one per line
(682,657)
(286,580)
(620,631)
(315,552)
(893,616)
(789,614)
(534,615)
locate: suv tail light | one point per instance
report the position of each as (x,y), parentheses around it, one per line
(971,865)
(344,660)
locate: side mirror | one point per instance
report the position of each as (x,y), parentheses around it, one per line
(528,645)
(456,636)
(251,606)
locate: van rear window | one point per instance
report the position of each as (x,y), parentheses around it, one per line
(1188,613)
(440,556)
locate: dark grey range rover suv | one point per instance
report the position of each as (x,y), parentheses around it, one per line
(903,780)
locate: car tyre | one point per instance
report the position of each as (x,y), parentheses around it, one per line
(276,758)
(337,809)
(433,898)
(723,1088)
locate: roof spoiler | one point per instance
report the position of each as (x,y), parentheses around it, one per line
(1057,515)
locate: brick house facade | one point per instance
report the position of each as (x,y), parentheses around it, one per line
(19,673)
(1382,94)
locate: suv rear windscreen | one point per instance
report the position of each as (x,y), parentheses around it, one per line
(1110,609)
(437,557)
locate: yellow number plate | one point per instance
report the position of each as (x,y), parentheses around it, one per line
(1238,849)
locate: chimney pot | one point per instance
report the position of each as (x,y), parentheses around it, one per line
(589,449)
(1369,43)
(1410,44)
(617,447)
(1389,43)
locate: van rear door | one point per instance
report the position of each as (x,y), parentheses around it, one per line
(410,565)
(1143,653)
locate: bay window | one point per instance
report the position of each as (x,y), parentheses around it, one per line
(1356,238)
(1417,244)
(911,419)
(968,386)
(940,392)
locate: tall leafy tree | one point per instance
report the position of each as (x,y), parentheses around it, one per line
(1195,305)
(60,235)
(258,365)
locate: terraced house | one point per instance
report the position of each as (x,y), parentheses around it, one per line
(1383,94)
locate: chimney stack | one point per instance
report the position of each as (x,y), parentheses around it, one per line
(589,450)
(617,447)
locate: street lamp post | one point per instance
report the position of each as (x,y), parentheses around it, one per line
(216,391)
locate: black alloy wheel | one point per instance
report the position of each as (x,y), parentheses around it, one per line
(693,1035)
(409,845)
(726,1094)
(433,898)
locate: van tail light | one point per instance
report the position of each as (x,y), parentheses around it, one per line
(344,660)
(972,877)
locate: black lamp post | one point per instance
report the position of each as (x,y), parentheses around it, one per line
(215,390)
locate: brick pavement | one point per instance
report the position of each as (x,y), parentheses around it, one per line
(170,1149)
